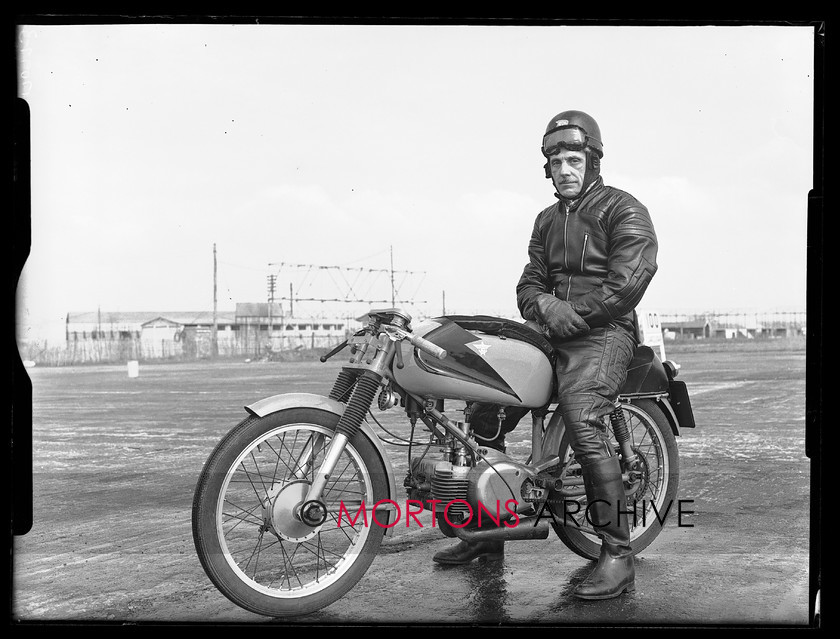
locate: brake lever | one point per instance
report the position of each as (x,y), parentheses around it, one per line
(396,335)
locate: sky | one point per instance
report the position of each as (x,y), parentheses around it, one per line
(407,147)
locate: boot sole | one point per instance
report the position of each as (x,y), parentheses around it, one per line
(629,588)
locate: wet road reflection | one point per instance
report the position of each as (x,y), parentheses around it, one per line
(487,582)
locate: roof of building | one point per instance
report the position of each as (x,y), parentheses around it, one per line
(185,318)
(107,319)
(686,324)
(258,309)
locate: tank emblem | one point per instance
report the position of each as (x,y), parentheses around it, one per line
(480,347)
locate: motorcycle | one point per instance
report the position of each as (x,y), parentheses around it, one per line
(293,503)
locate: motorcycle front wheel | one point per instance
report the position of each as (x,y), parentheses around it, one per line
(651,494)
(247,531)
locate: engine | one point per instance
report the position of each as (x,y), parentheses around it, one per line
(497,487)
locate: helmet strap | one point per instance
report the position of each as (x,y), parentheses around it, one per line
(593,170)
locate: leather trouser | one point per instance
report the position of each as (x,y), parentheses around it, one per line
(590,370)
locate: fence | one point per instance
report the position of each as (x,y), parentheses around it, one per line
(740,318)
(197,342)
(733,325)
(188,345)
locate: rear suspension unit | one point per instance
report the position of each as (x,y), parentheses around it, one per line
(622,436)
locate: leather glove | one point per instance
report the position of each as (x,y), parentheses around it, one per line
(561,320)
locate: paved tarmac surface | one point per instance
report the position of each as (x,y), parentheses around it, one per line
(116,459)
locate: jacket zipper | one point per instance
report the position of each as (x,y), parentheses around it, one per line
(566,252)
(583,251)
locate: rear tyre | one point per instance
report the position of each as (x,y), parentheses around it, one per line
(652,492)
(249,541)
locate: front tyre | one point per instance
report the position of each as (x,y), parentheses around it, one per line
(651,489)
(247,532)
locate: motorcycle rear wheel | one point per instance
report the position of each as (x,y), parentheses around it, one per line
(653,497)
(249,543)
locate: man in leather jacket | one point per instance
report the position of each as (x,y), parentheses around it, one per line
(591,255)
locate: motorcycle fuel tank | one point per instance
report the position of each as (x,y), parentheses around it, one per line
(478,367)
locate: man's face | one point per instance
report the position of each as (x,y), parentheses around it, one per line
(568,169)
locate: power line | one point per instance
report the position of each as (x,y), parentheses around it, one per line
(341,268)
(355,284)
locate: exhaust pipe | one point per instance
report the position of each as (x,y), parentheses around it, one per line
(527,528)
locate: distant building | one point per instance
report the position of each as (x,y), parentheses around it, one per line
(734,332)
(114,335)
(252,330)
(687,329)
(730,325)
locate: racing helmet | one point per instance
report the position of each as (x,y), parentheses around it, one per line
(576,131)
(573,130)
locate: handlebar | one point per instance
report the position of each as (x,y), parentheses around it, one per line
(427,347)
(324,358)
(397,333)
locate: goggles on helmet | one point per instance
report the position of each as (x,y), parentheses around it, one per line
(571,138)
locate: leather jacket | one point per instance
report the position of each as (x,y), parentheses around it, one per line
(597,252)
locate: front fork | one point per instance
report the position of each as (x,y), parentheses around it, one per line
(374,356)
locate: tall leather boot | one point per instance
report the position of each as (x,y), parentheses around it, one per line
(615,571)
(464,552)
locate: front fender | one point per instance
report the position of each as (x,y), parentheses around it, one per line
(284,401)
(276,403)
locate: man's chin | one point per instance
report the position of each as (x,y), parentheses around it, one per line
(569,192)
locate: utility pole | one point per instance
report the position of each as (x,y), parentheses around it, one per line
(444,303)
(393,299)
(98,341)
(214,335)
(272,281)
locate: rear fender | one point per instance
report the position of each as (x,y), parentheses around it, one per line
(276,403)
(666,407)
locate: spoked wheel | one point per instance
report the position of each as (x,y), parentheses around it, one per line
(651,487)
(247,525)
